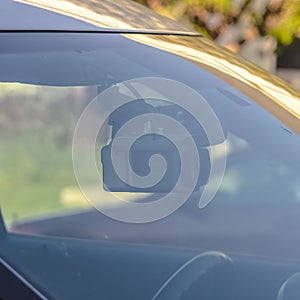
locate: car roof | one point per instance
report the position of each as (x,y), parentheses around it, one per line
(88,15)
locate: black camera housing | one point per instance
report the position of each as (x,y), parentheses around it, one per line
(151,143)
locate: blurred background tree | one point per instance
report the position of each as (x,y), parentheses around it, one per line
(257,29)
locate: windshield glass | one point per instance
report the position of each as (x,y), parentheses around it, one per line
(73,96)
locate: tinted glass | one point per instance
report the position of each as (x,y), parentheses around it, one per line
(49,82)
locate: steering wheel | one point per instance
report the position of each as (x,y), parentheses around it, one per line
(290,289)
(207,276)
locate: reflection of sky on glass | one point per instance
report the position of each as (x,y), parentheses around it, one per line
(223,63)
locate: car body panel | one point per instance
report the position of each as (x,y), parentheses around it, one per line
(90,15)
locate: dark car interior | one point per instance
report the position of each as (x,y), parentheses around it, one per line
(104,270)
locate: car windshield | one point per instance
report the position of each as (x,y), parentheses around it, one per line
(75,107)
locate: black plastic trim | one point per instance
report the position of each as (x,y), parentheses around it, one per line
(106,31)
(16,286)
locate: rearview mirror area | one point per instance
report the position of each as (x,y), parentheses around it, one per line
(151,139)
